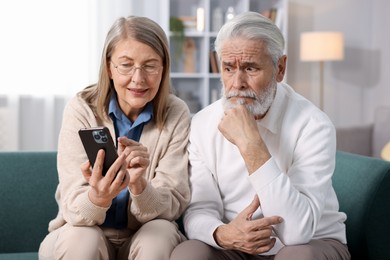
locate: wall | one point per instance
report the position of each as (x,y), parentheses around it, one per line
(380,93)
(356,86)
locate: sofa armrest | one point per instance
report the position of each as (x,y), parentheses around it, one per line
(356,139)
(362,185)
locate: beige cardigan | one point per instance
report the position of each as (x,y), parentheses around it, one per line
(167,193)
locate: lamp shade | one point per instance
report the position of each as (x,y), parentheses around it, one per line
(385,153)
(322,46)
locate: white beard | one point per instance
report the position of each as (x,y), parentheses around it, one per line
(260,104)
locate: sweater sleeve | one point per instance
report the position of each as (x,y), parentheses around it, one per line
(299,194)
(205,212)
(167,193)
(74,203)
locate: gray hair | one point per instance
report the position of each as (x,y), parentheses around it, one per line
(252,26)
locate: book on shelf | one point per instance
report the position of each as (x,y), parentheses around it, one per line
(214,65)
(189,54)
(275,15)
(270,13)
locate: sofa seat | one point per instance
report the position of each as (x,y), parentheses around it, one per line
(19,256)
(29,179)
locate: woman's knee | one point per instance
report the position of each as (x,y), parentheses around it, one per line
(155,240)
(81,236)
(72,241)
(158,229)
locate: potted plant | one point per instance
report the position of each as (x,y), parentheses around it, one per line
(176,26)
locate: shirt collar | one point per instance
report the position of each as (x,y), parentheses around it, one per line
(115,111)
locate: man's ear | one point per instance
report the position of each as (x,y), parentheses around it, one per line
(281,68)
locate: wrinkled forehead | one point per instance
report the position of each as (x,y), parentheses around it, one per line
(245,50)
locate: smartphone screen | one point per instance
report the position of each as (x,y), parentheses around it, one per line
(97,138)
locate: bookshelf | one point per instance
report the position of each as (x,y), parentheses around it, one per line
(195,76)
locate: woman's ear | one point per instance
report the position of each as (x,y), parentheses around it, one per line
(109,69)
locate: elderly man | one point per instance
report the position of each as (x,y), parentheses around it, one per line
(261,160)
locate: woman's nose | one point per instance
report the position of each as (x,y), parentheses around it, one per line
(138,75)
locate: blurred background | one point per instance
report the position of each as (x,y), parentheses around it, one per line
(51,50)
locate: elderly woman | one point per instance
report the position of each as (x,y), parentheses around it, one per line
(130,211)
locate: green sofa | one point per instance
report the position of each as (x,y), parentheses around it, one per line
(29,179)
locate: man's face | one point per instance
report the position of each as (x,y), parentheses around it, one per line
(248,75)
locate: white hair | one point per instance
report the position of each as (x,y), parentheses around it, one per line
(253,26)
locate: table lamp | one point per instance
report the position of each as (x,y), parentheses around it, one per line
(320,47)
(385,153)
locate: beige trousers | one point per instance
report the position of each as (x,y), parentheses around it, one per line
(155,240)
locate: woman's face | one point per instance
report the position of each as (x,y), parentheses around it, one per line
(136,71)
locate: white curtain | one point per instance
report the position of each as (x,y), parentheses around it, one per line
(30,123)
(50,50)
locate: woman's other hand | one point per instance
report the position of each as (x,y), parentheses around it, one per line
(137,161)
(103,189)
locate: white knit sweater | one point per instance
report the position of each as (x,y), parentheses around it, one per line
(294,184)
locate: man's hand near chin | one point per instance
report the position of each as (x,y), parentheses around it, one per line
(239,126)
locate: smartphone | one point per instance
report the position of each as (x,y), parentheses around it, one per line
(97,138)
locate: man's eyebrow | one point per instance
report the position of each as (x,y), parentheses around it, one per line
(249,64)
(227,63)
(242,64)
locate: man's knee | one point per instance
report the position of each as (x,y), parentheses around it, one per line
(315,249)
(192,250)
(300,252)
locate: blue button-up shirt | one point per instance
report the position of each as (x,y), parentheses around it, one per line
(116,216)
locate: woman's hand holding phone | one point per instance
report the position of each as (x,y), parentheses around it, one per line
(96,138)
(109,174)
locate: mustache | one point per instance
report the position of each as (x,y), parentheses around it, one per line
(241,93)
